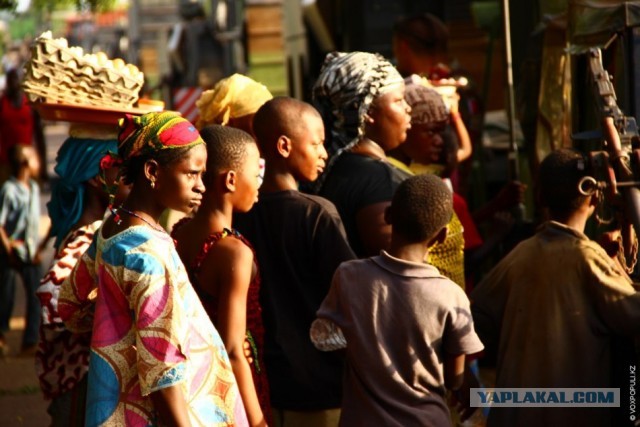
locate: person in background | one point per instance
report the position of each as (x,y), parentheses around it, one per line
(19,124)
(421,47)
(221,262)
(87,170)
(19,249)
(233,102)
(300,241)
(551,309)
(156,358)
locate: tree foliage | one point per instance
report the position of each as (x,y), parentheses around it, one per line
(50,5)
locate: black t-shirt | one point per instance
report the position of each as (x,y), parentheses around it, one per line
(299,242)
(355,182)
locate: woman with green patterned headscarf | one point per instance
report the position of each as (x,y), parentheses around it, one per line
(153,347)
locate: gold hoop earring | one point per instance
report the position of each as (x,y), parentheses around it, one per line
(153,184)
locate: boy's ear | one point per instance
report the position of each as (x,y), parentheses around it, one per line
(284,146)
(387,214)
(440,237)
(230,180)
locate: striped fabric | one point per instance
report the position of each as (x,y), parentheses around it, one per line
(184,101)
(153,132)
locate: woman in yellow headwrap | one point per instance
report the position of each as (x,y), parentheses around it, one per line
(232,102)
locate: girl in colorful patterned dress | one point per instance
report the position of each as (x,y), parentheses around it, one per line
(221,262)
(156,358)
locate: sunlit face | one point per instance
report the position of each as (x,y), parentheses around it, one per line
(33,161)
(391,118)
(247,181)
(179,184)
(308,155)
(424,142)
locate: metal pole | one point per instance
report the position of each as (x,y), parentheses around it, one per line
(514,167)
(514,163)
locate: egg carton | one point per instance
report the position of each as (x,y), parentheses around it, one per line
(76,95)
(56,67)
(49,74)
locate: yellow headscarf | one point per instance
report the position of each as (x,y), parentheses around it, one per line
(233,97)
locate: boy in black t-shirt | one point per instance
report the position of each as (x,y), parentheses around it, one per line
(299,241)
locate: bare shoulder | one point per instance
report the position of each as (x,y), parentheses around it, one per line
(231,250)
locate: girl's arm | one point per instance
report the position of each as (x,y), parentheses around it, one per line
(171,406)
(234,265)
(465,148)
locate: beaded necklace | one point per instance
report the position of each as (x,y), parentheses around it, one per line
(118,220)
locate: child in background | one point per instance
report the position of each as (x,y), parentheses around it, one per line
(220,261)
(19,235)
(299,241)
(406,328)
(87,169)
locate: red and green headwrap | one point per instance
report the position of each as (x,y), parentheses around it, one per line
(154,132)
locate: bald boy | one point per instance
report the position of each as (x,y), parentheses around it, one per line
(299,241)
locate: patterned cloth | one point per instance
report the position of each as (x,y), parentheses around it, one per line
(448,256)
(150,332)
(427,106)
(255,327)
(233,97)
(153,132)
(62,358)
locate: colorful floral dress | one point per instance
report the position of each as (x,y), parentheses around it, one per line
(255,327)
(150,331)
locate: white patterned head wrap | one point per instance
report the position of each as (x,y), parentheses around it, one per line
(347,86)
